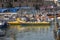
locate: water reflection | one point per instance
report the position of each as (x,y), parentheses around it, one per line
(43,32)
(35,33)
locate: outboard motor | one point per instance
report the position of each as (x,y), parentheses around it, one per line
(3,27)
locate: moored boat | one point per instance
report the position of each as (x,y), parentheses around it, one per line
(14,23)
(34,23)
(3,28)
(18,21)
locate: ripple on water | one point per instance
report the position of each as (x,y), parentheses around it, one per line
(36,33)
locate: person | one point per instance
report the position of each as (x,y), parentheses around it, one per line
(27,18)
(43,18)
(32,18)
(38,18)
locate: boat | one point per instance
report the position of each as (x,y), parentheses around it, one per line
(34,23)
(18,21)
(14,22)
(3,28)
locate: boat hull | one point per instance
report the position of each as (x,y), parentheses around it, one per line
(19,22)
(34,24)
(14,23)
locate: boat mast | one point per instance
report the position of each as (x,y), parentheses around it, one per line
(56,21)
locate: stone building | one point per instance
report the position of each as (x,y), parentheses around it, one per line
(4,3)
(20,2)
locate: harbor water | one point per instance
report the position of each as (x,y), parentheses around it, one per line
(42,32)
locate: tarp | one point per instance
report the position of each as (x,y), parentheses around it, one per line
(17,7)
(26,7)
(13,9)
(3,10)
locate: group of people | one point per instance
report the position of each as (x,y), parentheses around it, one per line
(34,18)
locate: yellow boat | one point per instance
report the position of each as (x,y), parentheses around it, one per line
(34,23)
(18,21)
(14,22)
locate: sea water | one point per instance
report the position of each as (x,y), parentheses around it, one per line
(42,32)
(36,33)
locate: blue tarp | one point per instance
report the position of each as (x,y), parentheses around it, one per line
(17,7)
(9,9)
(13,9)
(3,10)
(24,7)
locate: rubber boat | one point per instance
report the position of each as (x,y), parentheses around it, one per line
(34,23)
(14,22)
(18,21)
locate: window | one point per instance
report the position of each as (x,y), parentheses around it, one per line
(10,0)
(38,0)
(0,0)
(29,0)
(15,0)
(6,0)
(22,1)
(58,0)
(2,5)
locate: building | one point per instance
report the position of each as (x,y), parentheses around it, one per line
(50,2)
(20,2)
(4,3)
(58,2)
